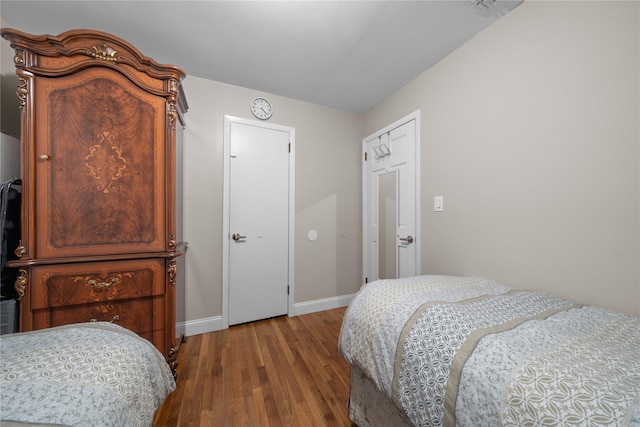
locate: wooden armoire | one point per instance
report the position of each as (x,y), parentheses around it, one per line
(101,175)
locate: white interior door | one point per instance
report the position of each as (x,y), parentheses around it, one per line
(391,208)
(258,227)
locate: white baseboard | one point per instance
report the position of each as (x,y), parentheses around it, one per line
(211,324)
(202,326)
(308,307)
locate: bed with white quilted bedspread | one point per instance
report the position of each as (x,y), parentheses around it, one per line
(471,352)
(93,374)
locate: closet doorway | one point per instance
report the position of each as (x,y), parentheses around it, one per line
(257,220)
(391,201)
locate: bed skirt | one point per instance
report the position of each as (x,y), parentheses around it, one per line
(368,407)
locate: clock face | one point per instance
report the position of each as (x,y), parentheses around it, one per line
(261,108)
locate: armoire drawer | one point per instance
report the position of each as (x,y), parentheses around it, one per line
(64,285)
(141,315)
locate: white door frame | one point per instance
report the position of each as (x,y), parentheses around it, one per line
(228,120)
(365,211)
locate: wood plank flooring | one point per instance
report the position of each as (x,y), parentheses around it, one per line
(284,371)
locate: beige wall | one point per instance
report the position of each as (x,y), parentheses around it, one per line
(10,116)
(328,187)
(530,131)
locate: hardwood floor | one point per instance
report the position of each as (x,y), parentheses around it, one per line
(284,371)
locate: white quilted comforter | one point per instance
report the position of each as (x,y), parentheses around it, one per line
(93,374)
(473,352)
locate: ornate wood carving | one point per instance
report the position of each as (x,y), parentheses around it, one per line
(104,52)
(21,282)
(172,113)
(172,270)
(172,243)
(105,162)
(20,250)
(172,360)
(22,92)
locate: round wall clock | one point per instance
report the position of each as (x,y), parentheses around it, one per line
(261,108)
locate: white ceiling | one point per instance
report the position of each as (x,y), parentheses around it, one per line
(348,55)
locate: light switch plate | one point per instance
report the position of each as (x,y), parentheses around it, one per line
(438,204)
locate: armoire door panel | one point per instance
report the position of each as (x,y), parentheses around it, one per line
(105,132)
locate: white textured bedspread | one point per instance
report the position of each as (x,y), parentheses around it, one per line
(93,374)
(472,352)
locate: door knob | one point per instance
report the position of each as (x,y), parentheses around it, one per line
(408,240)
(236,237)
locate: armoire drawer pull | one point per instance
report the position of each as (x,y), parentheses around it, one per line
(100,285)
(116,318)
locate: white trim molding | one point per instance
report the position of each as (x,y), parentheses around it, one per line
(212,324)
(202,326)
(323,304)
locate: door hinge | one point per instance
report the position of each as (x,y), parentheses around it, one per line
(287,289)
(289,147)
(365,156)
(366,280)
